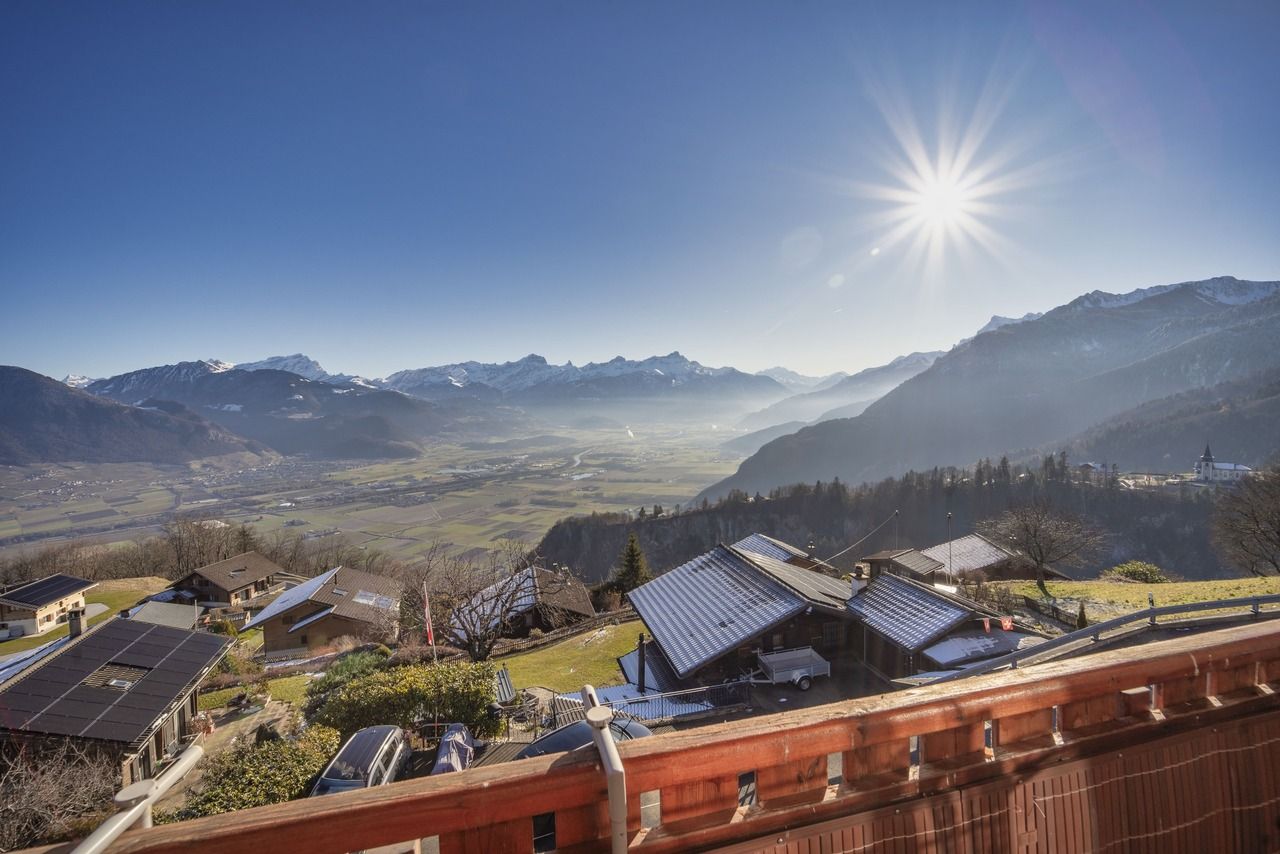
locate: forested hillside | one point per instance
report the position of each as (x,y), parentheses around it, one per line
(1170,529)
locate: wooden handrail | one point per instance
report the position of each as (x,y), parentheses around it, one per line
(697,771)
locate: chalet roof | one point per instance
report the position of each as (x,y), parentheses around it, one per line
(887,554)
(769,547)
(910,614)
(710,605)
(817,588)
(109,684)
(968,553)
(38,593)
(521,591)
(342,592)
(239,571)
(919,562)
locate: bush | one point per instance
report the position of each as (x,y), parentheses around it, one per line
(222,627)
(1082,621)
(1136,570)
(240,664)
(269,772)
(458,692)
(343,670)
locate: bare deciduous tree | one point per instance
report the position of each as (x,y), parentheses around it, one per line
(1246,523)
(1045,536)
(486,598)
(47,791)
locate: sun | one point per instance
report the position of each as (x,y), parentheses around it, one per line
(942,202)
(948,187)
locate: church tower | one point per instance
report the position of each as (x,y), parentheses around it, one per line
(1204,466)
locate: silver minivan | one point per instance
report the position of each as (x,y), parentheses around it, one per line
(374,756)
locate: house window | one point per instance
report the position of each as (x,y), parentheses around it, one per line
(303,640)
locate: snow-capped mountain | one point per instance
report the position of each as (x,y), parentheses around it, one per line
(533,378)
(303,366)
(136,386)
(1223,290)
(76,380)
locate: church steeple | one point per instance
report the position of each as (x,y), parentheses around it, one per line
(1208,455)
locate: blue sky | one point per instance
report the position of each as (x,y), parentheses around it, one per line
(392,185)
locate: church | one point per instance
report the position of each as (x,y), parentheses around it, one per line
(1209,470)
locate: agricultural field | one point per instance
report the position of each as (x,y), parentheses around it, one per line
(465,496)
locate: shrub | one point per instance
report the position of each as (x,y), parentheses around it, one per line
(1136,570)
(222,627)
(240,664)
(343,670)
(458,692)
(269,772)
(1082,621)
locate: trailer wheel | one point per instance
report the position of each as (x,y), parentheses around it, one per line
(804,683)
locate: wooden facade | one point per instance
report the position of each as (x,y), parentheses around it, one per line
(1171,746)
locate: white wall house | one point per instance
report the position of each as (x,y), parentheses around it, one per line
(1209,470)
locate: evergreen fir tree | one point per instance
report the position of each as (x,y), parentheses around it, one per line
(634,570)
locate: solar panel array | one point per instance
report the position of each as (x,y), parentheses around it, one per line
(37,594)
(52,698)
(703,609)
(906,613)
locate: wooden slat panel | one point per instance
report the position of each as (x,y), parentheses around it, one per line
(706,798)
(1089,712)
(892,758)
(951,743)
(511,837)
(805,776)
(1015,728)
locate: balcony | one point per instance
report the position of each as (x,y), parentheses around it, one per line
(1175,743)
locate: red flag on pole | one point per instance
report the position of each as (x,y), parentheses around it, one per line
(986,624)
(426,617)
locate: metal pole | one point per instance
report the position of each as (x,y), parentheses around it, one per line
(599,717)
(950,564)
(136,800)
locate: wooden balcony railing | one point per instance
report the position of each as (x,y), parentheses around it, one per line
(1115,732)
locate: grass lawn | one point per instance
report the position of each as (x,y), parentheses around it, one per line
(1133,597)
(252,639)
(569,664)
(289,689)
(117,596)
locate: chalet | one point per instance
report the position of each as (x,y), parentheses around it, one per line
(233,581)
(339,603)
(35,607)
(533,598)
(949,561)
(124,687)
(711,615)
(908,627)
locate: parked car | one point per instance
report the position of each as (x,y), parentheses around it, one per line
(374,756)
(578,734)
(457,749)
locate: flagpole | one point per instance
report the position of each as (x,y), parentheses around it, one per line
(426,619)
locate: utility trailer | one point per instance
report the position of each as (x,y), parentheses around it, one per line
(798,666)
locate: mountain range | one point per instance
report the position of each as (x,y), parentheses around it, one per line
(1037,382)
(43,420)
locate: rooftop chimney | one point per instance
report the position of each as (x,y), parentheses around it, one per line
(74,625)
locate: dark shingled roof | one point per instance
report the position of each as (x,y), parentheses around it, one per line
(37,594)
(69,693)
(239,571)
(907,613)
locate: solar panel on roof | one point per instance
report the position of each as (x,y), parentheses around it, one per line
(46,590)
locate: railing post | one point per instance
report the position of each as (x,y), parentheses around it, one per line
(616,776)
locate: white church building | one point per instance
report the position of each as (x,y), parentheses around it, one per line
(1209,470)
